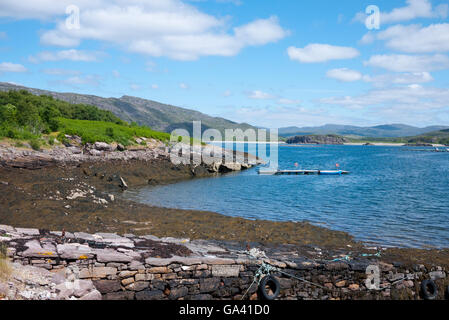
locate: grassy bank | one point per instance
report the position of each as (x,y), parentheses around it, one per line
(5,268)
(93,131)
(38,120)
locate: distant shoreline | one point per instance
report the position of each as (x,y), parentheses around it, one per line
(249,142)
(385,144)
(380,144)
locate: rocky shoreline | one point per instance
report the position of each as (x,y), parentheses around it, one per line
(76,192)
(74,152)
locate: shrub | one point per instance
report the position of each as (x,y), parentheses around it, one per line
(51,141)
(10,133)
(35,144)
(110,132)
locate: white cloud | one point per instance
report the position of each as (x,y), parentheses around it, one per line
(413,97)
(234,2)
(409,63)
(72,54)
(12,67)
(41,9)
(321,53)
(344,74)
(281,116)
(60,72)
(154,86)
(368,38)
(413,10)
(348,75)
(399,78)
(260,32)
(286,101)
(260,95)
(417,39)
(184,86)
(169,28)
(79,80)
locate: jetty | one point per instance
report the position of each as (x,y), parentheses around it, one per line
(301,172)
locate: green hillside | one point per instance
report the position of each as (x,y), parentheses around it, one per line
(24,116)
(158,116)
(435,137)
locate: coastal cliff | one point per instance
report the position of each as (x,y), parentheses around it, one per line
(317,139)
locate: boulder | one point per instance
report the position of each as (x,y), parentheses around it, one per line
(64,290)
(28,232)
(95,153)
(74,251)
(231,166)
(214,167)
(435,275)
(102,146)
(82,287)
(36,250)
(107,286)
(93,295)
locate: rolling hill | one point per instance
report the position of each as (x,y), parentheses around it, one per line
(435,137)
(382,131)
(158,116)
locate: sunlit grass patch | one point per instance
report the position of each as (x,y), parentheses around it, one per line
(5,268)
(95,131)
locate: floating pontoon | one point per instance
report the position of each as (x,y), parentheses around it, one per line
(273,172)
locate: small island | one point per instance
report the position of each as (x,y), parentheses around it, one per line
(318,139)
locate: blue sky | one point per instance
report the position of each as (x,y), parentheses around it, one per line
(268,63)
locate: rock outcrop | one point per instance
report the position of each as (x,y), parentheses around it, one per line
(218,158)
(317,139)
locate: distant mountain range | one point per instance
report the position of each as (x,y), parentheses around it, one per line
(158,116)
(382,131)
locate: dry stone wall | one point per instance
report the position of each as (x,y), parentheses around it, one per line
(112,267)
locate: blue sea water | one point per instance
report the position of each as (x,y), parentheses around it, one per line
(394,196)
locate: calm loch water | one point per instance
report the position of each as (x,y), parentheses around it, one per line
(394,196)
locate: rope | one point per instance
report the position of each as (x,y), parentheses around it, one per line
(266,269)
(254,281)
(302,279)
(349,258)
